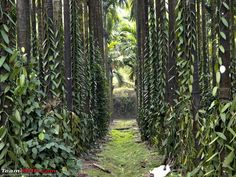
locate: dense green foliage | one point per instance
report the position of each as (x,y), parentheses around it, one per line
(197,126)
(56,80)
(37,130)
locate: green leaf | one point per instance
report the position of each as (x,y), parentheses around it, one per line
(13,156)
(213,141)
(228,159)
(212,104)
(22,80)
(222,49)
(17,116)
(209,159)
(2,60)
(3,132)
(223,117)
(41,136)
(6,67)
(218,76)
(4,77)
(225,107)
(214,91)
(221,135)
(223,35)
(23,162)
(226,5)
(13,56)
(206,174)
(2,144)
(6,28)
(34,150)
(224,21)
(3,153)
(5,36)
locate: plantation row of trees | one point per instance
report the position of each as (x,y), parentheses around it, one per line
(186,82)
(54,91)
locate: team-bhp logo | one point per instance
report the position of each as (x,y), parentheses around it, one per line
(26,171)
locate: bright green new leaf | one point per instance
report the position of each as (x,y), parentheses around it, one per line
(214,91)
(18,116)
(22,80)
(218,76)
(41,136)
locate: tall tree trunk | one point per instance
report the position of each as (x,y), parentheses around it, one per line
(57,13)
(86,25)
(225,83)
(67,55)
(233,45)
(171,64)
(48,48)
(23,26)
(213,40)
(195,60)
(204,47)
(41,36)
(96,26)
(33,27)
(141,46)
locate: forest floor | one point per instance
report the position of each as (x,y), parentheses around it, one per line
(123,155)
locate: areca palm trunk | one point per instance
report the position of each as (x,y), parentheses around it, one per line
(171,64)
(67,55)
(23,26)
(224,52)
(41,34)
(213,41)
(33,26)
(96,26)
(204,48)
(140,51)
(195,61)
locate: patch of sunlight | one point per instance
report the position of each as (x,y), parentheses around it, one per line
(125,72)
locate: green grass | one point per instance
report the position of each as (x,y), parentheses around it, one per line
(123,156)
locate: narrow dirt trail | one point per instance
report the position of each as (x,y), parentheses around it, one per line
(123,155)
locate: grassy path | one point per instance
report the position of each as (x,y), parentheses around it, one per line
(124,155)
